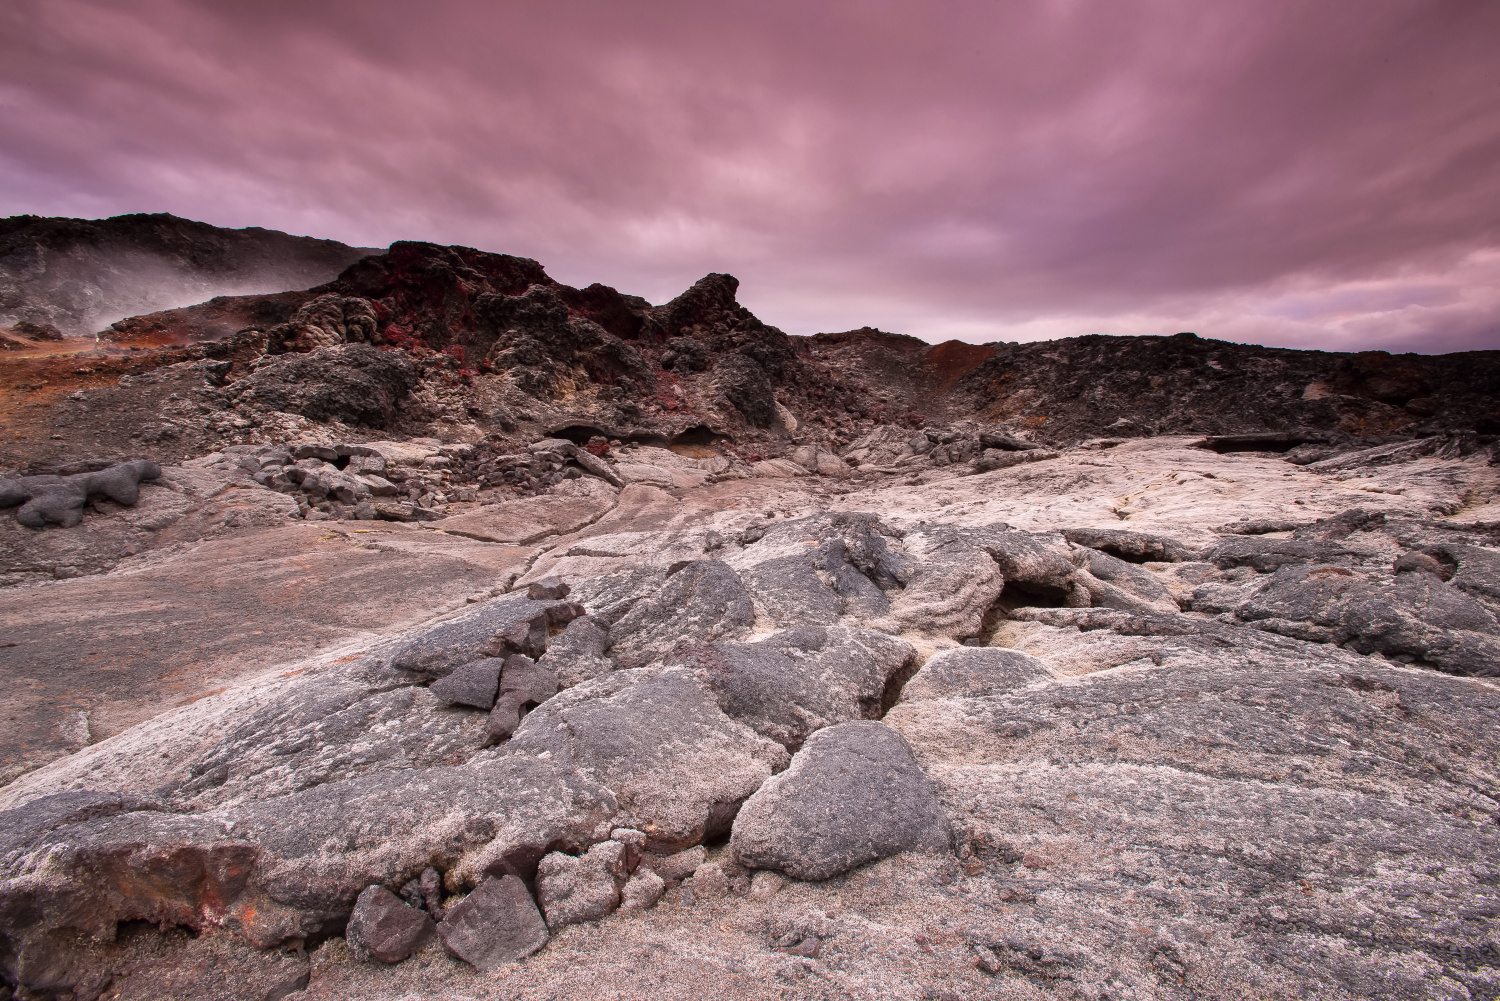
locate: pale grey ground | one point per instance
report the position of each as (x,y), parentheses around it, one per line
(1184,797)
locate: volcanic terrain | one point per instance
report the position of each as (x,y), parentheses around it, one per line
(445,631)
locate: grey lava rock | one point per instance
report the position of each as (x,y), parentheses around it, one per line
(1270,555)
(797,681)
(547,589)
(576,654)
(853,794)
(641,892)
(60,499)
(973,672)
(1135,547)
(474,684)
(488,629)
(704,600)
(658,739)
(383,927)
(353,383)
(496,924)
(573,890)
(953,582)
(524,685)
(1416,616)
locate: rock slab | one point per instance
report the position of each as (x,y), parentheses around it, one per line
(496,924)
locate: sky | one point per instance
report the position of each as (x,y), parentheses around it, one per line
(1317,173)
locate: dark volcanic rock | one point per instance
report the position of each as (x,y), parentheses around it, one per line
(852,795)
(678,764)
(496,924)
(480,632)
(798,681)
(1269,555)
(353,383)
(473,684)
(573,890)
(704,600)
(384,928)
(524,685)
(60,499)
(1136,547)
(1416,616)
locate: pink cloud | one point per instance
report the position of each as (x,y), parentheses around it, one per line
(1278,172)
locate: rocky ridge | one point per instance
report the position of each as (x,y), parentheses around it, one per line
(77,275)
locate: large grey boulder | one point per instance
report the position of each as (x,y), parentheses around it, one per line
(816,571)
(853,794)
(1269,555)
(496,924)
(801,680)
(1136,547)
(973,672)
(60,499)
(679,766)
(704,600)
(576,654)
(1037,565)
(1114,583)
(524,685)
(474,684)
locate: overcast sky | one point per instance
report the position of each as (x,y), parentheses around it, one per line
(1308,174)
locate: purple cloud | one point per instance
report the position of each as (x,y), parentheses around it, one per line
(1287,173)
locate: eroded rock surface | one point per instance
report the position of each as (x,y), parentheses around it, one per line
(947,753)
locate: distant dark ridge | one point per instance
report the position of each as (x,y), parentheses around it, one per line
(82,274)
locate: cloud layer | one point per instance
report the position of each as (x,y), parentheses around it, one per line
(1303,174)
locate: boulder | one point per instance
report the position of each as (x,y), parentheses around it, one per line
(576,654)
(815,571)
(573,890)
(795,682)
(1136,547)
(657,738)
(953,582)
(1415,616)
(1033,564)
(703,600)
(853,794)
(679,866)
(973,673)
(474,684)
(60,499)
(1270,555)
(496,924)
(383,927)
(547,589)
(641,892)
(1114,583)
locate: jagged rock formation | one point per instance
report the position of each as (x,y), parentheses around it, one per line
(79,275)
